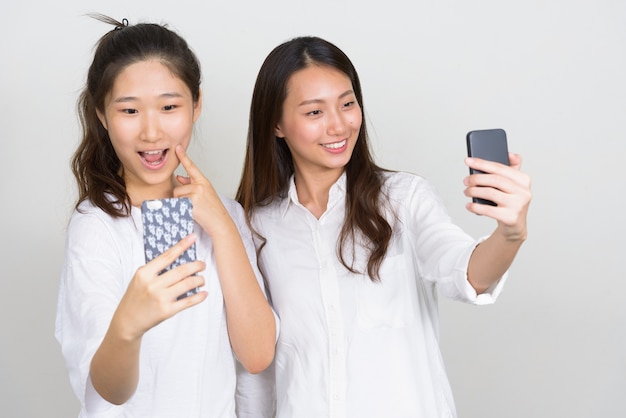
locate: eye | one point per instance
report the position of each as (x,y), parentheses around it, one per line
(349,104)
(314,112)
(169,107)
(129,111)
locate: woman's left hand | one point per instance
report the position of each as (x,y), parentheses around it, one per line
(208,209)
(508,187)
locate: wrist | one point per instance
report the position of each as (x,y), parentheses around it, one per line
(511,236)
(123,331)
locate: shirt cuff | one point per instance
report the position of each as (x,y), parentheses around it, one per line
(490,295)
(96,405)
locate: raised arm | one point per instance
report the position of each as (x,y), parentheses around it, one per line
(251,322)
(509,188)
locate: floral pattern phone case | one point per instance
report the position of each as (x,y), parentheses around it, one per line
(165,222)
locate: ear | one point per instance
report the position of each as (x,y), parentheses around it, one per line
(103,120)
(278,133)
(197,107)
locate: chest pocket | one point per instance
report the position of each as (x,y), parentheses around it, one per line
(391,302)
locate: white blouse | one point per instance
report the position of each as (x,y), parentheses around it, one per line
(187,367)
(350,347)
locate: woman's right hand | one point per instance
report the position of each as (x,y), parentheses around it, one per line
(149,299)
(152,298)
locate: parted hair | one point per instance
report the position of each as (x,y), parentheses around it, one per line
(95,165)
(268,163)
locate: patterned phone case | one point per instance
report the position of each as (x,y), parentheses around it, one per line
(165,222)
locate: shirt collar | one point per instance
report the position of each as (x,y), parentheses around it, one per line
(337,193)
(292,197)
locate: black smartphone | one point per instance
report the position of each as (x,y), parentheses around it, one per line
(165,222)
(487,144)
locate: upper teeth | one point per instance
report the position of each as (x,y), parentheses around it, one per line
(336,145)
(152,152)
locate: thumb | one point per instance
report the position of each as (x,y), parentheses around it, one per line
(515,160)
(183,180)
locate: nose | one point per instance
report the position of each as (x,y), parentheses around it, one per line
(150,127)
(336,124)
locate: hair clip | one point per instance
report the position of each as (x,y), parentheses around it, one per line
(124,24)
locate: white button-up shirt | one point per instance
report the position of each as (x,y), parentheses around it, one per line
(351,347)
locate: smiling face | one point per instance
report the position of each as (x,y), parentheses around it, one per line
(320,121)
(146,114)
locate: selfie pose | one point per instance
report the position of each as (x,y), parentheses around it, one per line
(133,346)
(355,255)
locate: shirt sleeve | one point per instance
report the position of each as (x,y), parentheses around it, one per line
(90,289)
(256,393)
(459,287)
(443,249)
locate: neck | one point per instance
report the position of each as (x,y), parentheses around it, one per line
(313,190)
(138,194)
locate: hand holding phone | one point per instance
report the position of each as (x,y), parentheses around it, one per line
(488,144)
(165,222)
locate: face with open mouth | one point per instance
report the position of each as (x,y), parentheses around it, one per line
(321,119)
(147,113)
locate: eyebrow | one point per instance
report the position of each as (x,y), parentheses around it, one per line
(127,99)
(313,101)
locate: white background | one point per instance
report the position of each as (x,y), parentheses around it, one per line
(551,73)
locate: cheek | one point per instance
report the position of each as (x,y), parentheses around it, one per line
(355,122)
(312,131)
(302,132)
(180,129)
(121,130)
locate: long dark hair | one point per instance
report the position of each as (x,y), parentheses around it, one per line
(96,167)
(268,163)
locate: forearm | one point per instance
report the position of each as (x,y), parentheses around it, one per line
(491,259)
(251,322)
(510,189)
(115,366)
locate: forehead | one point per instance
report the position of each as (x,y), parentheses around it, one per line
(144,77)
(315,80)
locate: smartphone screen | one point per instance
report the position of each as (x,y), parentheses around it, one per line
(165,222)
(488,144)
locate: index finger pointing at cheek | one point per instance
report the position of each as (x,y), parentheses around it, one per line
(188,165)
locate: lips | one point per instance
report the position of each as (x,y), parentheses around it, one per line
(153,157)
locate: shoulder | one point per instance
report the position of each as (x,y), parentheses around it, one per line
(236,212)
(87,212)
(274,209)
(401,184)
(91,220)
(410,195)
(232,206)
